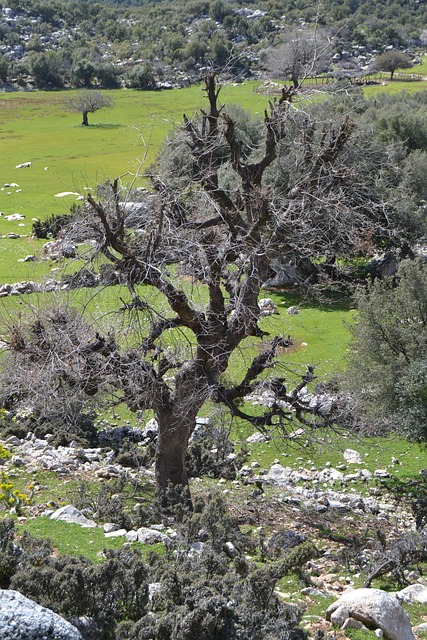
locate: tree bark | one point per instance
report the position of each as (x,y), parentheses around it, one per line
(85,122)
(172,444)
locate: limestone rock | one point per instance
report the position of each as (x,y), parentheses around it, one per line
(352,457)
(377,610)
(413,593)
(149,536)
(109,527)
(339,616)
(117,533)
(70,514)
(24,619)
(256,437)
(267,307)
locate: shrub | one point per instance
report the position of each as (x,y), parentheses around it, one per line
(51,226)
(12,498)
(10,553)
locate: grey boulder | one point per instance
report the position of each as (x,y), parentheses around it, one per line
(24,619)
(376,609)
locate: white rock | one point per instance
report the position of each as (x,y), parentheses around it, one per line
(62,194)
(352,457)
(22,619)
(413,593)
(351,623)
(230,550)
(110,526)
(256,437)
(196,548)
(149,536)
(339,616)
(70,514)
(13,440)
(132,536)
(267,307)
(116,534)
(377,609)
(381,473)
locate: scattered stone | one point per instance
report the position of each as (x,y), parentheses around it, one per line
(150,536)
(109,527)
(14,216)
(314,593)
(230,550)
(256,437)
(117,533)
(132,536)
(339,616)
(267,307)
(381,473)
(293,311)
(351,623)
(413,593)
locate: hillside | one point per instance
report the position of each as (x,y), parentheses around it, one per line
(74,44)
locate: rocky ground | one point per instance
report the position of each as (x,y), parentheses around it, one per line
(346,512)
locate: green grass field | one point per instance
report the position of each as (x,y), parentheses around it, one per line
(122,140)
(66,157)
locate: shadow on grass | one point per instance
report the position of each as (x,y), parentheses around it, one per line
(104,126)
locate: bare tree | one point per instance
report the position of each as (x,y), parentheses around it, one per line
(390,61)
(302,54)
(222,233)
(88,102)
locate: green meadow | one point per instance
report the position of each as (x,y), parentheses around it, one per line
(66,157)
(122,140)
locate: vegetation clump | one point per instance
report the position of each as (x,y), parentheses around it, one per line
(187,593)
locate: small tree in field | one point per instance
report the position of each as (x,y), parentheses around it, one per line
(203,241)
(302,54)
(88,102)
(392,60)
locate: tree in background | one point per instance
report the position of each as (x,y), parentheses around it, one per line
(302,54)
(141,76)
(88,102)
(48,69)
(392,60)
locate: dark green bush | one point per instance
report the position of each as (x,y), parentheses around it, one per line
(9,552)
(51,226)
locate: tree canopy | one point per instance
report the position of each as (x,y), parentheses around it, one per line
(391,61)
(88,102)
